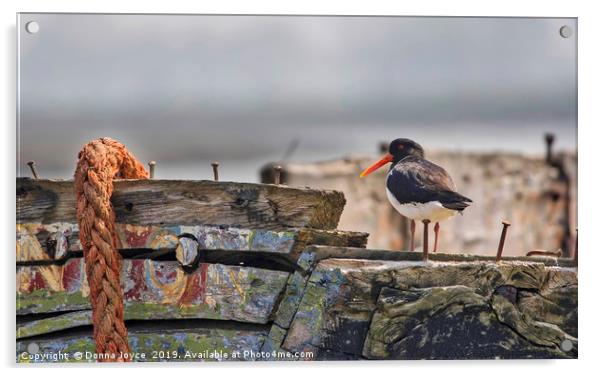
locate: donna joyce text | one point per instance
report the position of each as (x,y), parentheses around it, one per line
(160,355)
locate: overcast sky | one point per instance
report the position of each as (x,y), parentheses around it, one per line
(185,90)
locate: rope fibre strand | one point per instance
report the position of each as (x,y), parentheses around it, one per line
(99,163)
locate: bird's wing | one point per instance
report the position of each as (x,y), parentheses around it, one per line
(418,180)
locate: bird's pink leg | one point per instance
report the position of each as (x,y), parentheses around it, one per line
(412,233)
(436,237)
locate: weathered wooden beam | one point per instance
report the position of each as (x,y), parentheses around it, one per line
(37,241)
(158,290)
(195,344)
(52,324)
(324,252)
(186,202)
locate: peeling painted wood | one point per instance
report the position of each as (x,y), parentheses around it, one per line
(188,344)
(186,202)
(158,290)
(37,241)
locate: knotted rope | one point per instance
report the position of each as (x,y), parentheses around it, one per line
(99,162)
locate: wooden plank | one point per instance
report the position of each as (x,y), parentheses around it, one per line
(36,241)
(158,290)
(54,323)
(186,202)
(324,252)
(33,244)
(184,344)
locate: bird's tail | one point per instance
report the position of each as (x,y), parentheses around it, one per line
(455,201)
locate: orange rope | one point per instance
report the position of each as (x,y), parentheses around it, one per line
(99,162)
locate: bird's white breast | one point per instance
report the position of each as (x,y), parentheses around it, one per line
(432,210)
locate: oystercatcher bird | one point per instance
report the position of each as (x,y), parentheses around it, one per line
(419,189)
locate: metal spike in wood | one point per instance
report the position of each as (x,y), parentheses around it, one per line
(151,169)
(187,251)
(215,166)
(32,167)
(549,138)
(500,247)
(575,253)
(277,174)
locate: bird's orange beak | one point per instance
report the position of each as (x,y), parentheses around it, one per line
(386,159)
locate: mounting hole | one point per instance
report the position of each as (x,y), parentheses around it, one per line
(566,345)
(129,207)
(566,31)
(32,27)
(33,348)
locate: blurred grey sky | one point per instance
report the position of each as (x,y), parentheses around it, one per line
(185,90)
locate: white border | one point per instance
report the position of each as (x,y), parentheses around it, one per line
(589,138)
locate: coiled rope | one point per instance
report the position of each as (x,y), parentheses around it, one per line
(99,162)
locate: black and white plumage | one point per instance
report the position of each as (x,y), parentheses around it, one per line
(419,189)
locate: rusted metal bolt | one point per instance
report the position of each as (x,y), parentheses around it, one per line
(549,138)
(500,247)
(32,166)
(425,240)
(57,245)
(215,166)
(277,174)
(187,251)
(151,169)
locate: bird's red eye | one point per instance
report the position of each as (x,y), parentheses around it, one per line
(400,147)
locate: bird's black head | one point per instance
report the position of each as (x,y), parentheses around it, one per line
(403,147)
(398,150)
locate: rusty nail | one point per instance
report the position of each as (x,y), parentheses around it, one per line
(151,167)
(425,240)
(32,166)
(500,247)
(277,173)
(215,165)
(576,248)
(549,138)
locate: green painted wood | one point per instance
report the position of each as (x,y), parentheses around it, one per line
(54,324)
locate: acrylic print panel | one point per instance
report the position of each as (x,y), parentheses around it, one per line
(243,230)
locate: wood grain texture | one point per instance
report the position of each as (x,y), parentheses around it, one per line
(158,290)
(324,252)
(186,202)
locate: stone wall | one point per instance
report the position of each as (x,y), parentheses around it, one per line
(369,308)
